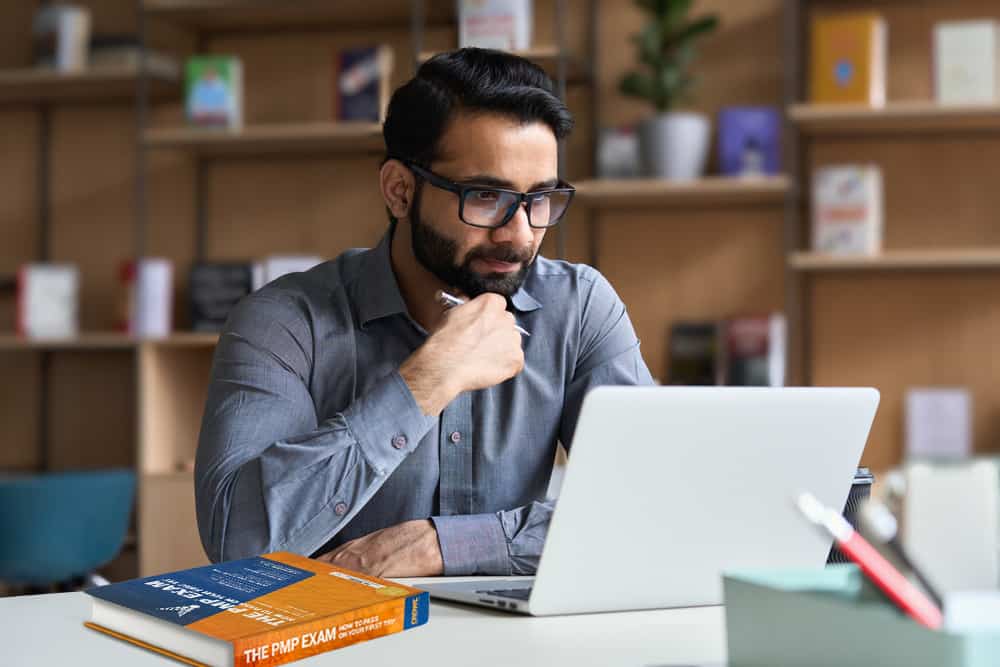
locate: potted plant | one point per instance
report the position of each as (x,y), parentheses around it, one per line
(672,144)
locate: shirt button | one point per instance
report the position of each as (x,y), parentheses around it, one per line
(456,437)
(340,509)
(399,441)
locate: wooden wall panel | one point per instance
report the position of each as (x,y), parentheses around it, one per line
(19,402)
(894,331)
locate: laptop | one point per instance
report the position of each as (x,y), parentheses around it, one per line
(668,487)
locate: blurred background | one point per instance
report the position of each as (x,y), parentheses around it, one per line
(782,192)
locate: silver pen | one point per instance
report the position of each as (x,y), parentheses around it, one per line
(450,301)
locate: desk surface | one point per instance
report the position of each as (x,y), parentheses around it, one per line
(48,630)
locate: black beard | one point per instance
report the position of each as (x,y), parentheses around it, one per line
(436,253)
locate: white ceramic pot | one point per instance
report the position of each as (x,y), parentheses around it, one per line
(675,145)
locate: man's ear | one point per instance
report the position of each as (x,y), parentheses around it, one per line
(398,186)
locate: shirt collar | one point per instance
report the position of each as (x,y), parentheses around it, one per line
(382,297)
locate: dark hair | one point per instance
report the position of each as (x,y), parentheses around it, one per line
(474,80)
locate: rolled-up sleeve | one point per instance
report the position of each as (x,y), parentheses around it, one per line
(269,475)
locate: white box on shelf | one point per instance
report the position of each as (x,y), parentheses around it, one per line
(966,62)
(62,36)
(152,298)
(847,210)
(275,266)
(48,300)
(495,24)
(938,423)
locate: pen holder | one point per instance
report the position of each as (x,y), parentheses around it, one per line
(861,490)
(833,617)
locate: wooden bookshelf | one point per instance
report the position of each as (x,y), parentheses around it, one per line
(271,139)
(899,260)
(193,339)
(547,57)
(711,191)
(83,342)
(36,85)
(896,117)
(249,15)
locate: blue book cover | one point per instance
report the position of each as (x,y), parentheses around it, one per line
(749,141)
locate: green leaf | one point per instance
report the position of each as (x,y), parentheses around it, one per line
(693,30)
(638,85)
(676,11)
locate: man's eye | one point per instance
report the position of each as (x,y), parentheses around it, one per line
(486,195)
(539,198)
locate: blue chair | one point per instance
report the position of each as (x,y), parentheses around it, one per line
(59,527)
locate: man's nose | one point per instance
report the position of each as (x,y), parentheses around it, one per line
(517,231)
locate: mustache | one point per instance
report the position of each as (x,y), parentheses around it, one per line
(501,254)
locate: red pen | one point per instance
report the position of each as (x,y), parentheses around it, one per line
(880,571)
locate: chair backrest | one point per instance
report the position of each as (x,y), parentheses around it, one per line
(58,526)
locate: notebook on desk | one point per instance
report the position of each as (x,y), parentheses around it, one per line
(667,487)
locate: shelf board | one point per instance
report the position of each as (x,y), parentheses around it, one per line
(186,339)
(249,15)
(32,85)
(710,191)
(291,138)
(899,260)
(547,57)
(896,117)
(83,342)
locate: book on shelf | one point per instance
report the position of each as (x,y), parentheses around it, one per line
(361,83)
(126,52)
(148,288)
(848,54)
(495,24)
(268,610)
(48,300)
(755,349)
(213,91)
(61,34)
(938,423)
(273,267)
(695,355)
(749,141)
(966,62)
(847,210)
(214,290)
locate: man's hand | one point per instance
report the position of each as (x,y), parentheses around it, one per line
(475,347)
(408,549)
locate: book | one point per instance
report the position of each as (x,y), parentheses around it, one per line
(847,209)
(213,91)
(755,348)
(61,35)
(275,266)
(362,83)
(749,141)
(848,59)
(268,610)
(966,62)
(148,297)
(214,289)
(48,300)
(938,423)
(495,24)
(694,354)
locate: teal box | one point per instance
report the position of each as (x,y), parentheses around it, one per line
(834,617)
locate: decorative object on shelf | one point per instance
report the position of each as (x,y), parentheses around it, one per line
(61,36)
(749,141)
(495,24)
(848,54)
(618,153)
(695,354)
(755,348)
(213,91)
(673,144)
(214,289)
(938,423)
(149,303)
(966,62)
(125,52)
(48,300)
(847,210)
(361,83)
(275,266)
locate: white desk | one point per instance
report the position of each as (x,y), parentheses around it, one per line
(48,630)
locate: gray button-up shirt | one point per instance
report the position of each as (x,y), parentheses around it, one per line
(311,438)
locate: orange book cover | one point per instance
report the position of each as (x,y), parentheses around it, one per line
(268,610)
(848,59)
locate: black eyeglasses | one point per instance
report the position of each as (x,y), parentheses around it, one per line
(482,206)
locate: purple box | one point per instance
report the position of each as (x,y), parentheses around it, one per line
(749,141)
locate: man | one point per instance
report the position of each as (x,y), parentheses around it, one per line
(352,418)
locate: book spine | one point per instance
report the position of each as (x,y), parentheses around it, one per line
(332,632)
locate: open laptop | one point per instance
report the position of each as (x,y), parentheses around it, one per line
(667,487)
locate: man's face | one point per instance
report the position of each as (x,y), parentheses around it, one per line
(494,151)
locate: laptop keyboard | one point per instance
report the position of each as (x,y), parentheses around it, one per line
(512,593)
